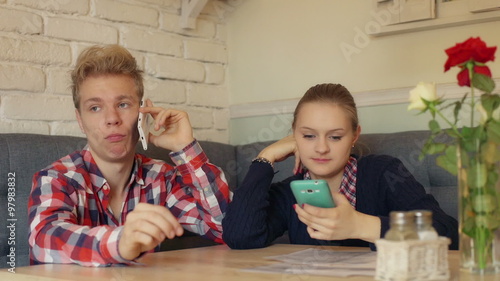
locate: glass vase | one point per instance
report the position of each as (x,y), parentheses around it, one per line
(478,169)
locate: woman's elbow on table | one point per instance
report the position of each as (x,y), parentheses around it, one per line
(238,240)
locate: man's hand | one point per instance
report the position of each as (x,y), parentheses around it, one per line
(178,131)
(146,227)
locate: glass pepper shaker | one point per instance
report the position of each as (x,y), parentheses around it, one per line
(423,223)
(402,226)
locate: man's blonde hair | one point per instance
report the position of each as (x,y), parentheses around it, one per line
(104,60)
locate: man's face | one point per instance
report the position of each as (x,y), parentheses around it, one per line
(109,108)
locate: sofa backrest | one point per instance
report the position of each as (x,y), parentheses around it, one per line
(404,145)
(25,154)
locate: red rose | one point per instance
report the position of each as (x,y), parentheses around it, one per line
(472,49)
(463,75)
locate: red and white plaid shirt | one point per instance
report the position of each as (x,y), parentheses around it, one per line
(71,220)
(348,184)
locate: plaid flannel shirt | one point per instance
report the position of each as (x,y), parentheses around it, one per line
(71,220)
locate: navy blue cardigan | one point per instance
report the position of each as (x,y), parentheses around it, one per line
(262,211)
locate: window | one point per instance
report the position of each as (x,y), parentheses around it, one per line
(398,16)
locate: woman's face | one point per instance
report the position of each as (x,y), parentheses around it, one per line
(324,136)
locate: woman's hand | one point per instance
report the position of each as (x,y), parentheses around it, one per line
(339,223)
(178,132)
(281,150)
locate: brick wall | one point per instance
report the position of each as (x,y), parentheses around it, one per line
(40,40)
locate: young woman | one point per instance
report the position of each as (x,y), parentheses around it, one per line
(325,128)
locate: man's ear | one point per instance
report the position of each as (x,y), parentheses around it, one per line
(79,119)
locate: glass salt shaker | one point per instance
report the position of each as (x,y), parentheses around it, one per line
(423,223)
(402,227)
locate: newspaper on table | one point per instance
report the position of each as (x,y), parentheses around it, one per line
(322,262)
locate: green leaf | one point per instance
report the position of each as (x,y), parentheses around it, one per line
(456,110)
(493,131)
(477,175)
(490,152)
(448,160)
(483,82)
(490,102)
(433,148)
(485,203)
(434,126)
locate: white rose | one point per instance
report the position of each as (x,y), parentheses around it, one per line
(495,115)
(482,112)
(426,91)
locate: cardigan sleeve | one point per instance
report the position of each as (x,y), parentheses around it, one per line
(251,221)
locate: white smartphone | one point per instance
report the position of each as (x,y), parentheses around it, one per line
(143,127)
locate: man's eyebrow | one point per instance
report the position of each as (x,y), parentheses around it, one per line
(96,99)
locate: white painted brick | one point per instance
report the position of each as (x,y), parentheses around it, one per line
(201,118)
(66,129)
(58,81)
(205,51)
(151,41)
(221,119)
(215,8)
(215,73)
(20,21)
(60,6)
(24,127)
(21,77)
(139,57)
(204,28)
(38,107)
(171,4)
(207,95)
(167,91)
(40,52)
(173,68)
(221,136)
(221,33)
(79,30)
(221,9)
(123,12)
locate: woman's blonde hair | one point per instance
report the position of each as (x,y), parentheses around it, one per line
(330,93)
(103,60)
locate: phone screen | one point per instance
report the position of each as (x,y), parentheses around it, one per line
(143,127)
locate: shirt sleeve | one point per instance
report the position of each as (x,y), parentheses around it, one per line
(200,193)
(56,235)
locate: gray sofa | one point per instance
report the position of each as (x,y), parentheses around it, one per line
(24,154)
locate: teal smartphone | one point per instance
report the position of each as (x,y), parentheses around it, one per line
(312,192)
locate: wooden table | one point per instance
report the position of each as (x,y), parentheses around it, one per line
(208,263)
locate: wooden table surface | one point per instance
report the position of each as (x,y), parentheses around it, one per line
(207,263)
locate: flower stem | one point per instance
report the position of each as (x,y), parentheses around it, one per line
(452,126)
(470,68)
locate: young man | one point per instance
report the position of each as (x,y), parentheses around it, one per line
(106,204)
